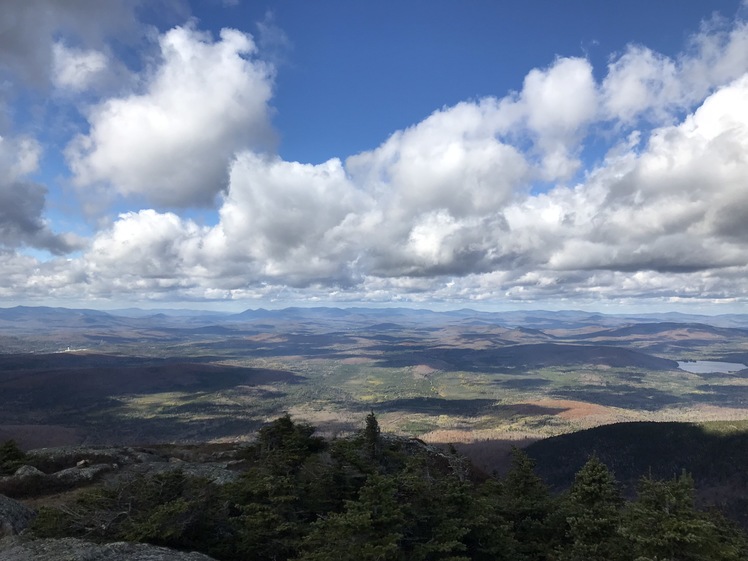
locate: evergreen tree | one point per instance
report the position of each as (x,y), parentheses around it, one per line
(490,537)
(527,505)
(369,529)
(371,435)
(446,519)
(11,457)
(436,509)
(593,514)
(283,445)
(663,524)
(270,521)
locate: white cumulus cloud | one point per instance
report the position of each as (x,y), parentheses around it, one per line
(644,83)
(485,200)
(171,144)
(442,211)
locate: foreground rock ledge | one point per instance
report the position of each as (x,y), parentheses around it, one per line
(71,549)
(14,516)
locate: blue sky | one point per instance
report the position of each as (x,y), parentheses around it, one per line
(236,154)
(353,73)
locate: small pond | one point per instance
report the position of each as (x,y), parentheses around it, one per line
(710,366)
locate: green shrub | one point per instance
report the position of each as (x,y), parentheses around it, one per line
(11,457)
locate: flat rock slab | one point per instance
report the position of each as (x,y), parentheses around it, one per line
(71,549)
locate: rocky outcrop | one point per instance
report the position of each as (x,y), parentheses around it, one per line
(27,471)
(71,549)
(90,462)
(54,470)
(80,475)
(54,459)
(217,473)
(14,517)
(29,481)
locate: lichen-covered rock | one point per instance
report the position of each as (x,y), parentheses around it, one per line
(216,473)
(71,549)
(55,459)
(78,476)
(27,471)
(14,517)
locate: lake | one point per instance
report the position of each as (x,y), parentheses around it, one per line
(710,366)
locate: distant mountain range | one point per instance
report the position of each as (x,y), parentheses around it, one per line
(49,317)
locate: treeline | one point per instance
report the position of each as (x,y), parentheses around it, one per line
(377,497)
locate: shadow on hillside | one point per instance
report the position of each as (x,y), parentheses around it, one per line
(463,407)
(492,457)
(57,385)
(180,420)
(110,426)
(517,359)
(307,345)
(107,398)
(725,394)
(715,455)
(523,383)
(621,395)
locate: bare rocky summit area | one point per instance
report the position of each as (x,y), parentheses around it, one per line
(71,549)
(65,469)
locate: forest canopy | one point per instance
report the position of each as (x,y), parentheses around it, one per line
(374,496)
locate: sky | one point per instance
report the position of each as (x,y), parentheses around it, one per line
(234,154)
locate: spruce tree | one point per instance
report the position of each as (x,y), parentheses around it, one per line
(268,522)
(663,524)
(593,514)
(371,435)
(437,509)
(283,445)
(369,529)
(11,457)
(527,505)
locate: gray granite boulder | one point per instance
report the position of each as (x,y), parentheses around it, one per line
(27,471)
(81,475)
(216,473)
(14,517)
(69,456)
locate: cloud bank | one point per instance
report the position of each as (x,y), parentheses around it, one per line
(500,199)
